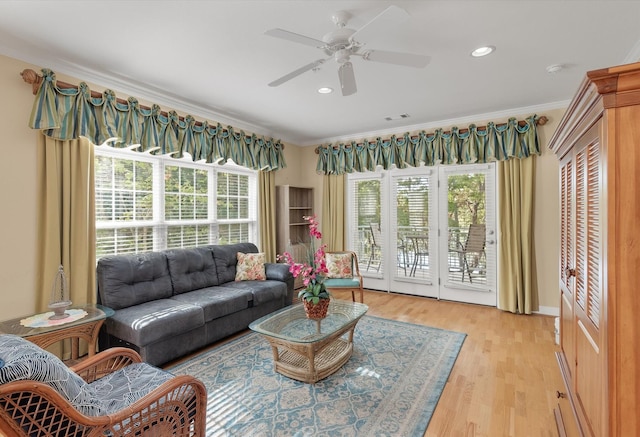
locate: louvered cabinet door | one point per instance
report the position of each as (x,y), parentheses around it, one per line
(567,262)
(588,373)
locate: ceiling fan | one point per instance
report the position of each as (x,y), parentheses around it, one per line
(343,43)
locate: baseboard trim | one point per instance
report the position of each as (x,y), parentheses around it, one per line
(548,311)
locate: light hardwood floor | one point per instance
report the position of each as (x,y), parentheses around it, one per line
(505,379)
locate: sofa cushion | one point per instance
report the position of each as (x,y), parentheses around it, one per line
(217,301)
(343,282)
(191,269)
(262,291)
(131,279)
(152,321)
(226,259)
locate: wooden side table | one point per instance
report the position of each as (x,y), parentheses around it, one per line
(86,328)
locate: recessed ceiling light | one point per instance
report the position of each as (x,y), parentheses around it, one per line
(482,51)
(325,90)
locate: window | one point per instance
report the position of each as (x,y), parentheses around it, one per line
(146,202)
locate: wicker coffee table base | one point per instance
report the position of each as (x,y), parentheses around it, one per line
(311,362)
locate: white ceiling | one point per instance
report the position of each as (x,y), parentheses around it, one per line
(212,59)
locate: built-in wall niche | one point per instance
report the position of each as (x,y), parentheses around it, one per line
(292,231)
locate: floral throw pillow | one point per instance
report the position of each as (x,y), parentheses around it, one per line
(339,265)
(250,267)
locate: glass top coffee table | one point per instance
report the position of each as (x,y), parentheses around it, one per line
(309,350)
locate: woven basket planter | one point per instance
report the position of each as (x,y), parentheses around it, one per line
(316,311)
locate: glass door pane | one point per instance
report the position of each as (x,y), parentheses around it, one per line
(367,230)
(467,220)
(412,247)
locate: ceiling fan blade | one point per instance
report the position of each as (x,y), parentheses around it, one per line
(347,79)
(297,72)
(390,17)
(397,58)
(295,37)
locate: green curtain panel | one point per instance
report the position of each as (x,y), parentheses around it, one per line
(495,143)
(68,113)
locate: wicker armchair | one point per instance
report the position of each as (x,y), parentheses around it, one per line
(109,394)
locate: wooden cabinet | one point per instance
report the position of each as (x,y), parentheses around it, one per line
(598,144)
(292,232)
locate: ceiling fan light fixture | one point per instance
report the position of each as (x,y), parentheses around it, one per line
(325,90)
(482,51)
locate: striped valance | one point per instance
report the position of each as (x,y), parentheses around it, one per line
(70,112)
(495,142)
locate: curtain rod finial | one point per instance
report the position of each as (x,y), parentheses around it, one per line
(30,76)
(542,120)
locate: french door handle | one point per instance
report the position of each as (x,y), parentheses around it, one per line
(570,272)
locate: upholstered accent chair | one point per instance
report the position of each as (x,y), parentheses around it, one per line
(112,393)
(344,273)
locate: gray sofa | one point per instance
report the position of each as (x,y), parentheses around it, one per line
(173,302)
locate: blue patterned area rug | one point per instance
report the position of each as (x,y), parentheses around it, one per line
(389,387)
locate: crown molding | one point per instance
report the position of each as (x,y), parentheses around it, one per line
(460,122)
(130,86)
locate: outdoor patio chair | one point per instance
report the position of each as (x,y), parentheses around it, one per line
(112,393)
(375,243)
(344,273)
(420,246)
(473,245)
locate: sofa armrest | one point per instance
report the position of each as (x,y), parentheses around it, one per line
(280,272)
(277,272)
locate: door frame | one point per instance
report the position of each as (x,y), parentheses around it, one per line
(383,279)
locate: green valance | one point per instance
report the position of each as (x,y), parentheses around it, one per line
(70,112)
(474,145)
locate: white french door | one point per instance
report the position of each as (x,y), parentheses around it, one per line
(427,231)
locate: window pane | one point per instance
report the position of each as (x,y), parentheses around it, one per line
(172,206)
(187,180)
(180,200)
(126,189)
(202,205)
(104,205)
(243,208)
(223,208)
(232,189)
(187,236)
(122,174)
(186,207)
(366,213)
(234,233)
(222,183)
(144,206)
(123,205)
(202,182)
(124,240)
(171,179)
(233,209)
